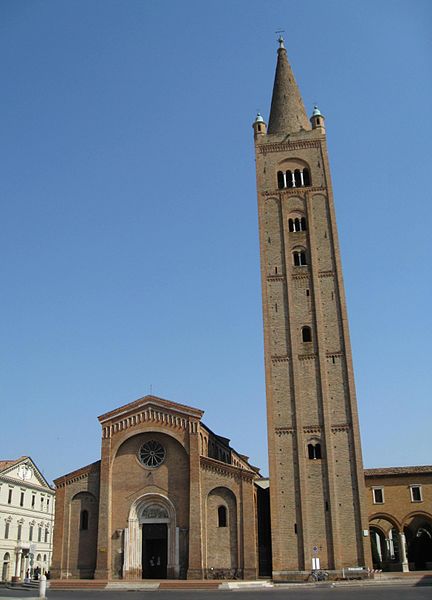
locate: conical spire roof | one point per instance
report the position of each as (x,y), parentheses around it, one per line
(287,113)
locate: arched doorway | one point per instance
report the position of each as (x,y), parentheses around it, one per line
(151,539)
(5,567)
(387,547)
(154,526)
(418,533)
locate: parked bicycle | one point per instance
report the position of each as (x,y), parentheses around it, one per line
(318,575)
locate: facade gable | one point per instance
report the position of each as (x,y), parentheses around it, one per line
(24,471)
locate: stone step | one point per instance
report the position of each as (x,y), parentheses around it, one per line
(191,584)
(70,584)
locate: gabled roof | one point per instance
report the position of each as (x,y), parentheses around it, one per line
(8,471)
(151,401)
(7,463)
(417,470)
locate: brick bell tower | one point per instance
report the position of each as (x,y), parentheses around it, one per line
(316,471)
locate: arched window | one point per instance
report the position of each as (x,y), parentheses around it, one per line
(289,179)
(297,224)
(222,516)
(84,520)
(306,334)
(314,451)
(280,180)
(293,179)
(299,258)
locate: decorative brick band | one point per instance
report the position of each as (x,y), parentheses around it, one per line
(280,359)
(276,194)
(210,464)
(72,480)
(153,416)
(312,429)
(311,356)
(275,277)
(287,146)
(341,427)
(285,431)
(326,274)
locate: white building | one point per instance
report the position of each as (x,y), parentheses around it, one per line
(26,519)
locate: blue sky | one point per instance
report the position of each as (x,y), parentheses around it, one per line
(129,244)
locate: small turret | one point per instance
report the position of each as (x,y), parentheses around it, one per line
(259,126)
(317,119)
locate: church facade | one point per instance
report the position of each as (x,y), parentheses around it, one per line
(169,498)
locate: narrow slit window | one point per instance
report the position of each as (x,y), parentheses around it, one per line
(290,179)
(222,516)
(84,520)
(306,334)
(314,451)
(280,180)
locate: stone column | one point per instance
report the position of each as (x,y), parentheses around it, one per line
(132,551)
(403,552)
(18,563)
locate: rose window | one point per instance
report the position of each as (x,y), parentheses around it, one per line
(152,454)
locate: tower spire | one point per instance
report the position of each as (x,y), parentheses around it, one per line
(287,113)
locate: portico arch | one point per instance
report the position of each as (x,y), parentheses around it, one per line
(155,510)
(418,533)
(388,543)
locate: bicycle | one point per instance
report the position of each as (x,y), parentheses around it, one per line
(318,575)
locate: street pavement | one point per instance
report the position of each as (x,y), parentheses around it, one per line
(325,591)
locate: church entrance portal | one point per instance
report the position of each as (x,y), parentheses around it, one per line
(154,550)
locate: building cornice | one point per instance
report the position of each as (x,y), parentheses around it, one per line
(27,484)
(287,146)
(77,475)
(215,466)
